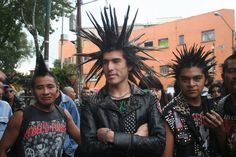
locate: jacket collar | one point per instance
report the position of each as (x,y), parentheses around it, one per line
(64,98)
(182,106)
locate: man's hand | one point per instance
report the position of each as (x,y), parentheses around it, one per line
(142,130)
(215,121)
(105,135)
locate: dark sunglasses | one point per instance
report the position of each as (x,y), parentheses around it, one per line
(9,91)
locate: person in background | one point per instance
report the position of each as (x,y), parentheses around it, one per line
(39,129)
(12,99)
(227,107)
(121,120)
(73,82)
(5,112)
(215,92)
(85,92)
(69,91)
(186,115)
(156,87)
(67,103)
(2,90)
(2,76)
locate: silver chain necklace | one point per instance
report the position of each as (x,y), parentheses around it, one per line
(120,97)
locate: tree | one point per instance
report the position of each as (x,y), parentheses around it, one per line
(64,75)
(14,51)
(19,14)
(13,42)
(36,22)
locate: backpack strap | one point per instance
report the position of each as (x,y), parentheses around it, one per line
(62,112)
(26,119)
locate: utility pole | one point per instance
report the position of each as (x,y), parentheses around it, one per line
(228,25)
(62,38)
(47,27)
(79,46)
(79,3)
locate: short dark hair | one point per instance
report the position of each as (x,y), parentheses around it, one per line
(193,57)
(46,74)
(213,85)
(226,62)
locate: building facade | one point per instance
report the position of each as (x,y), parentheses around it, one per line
(213,32)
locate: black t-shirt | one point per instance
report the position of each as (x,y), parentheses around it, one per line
(129,120)
(41,134)
(230,126)
(122,104)
(229,108)
(198,117)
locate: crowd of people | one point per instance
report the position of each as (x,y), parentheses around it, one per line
(125,118)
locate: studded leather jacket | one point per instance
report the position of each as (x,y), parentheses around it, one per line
(187,139)
(100,111)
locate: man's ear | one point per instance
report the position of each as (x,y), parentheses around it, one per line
(32,91)
(130,68)
(57,89)
(206,82)
(222,76)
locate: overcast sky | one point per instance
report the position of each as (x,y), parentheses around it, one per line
(149,10)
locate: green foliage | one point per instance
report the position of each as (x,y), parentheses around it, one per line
(13,41)
(14,51)
(19,80)
(64,73)
(58,8)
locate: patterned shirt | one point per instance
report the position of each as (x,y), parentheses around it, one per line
(45,134)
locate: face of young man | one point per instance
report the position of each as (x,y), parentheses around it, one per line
(229,76)
(191,82)
(115,68)
(45,90)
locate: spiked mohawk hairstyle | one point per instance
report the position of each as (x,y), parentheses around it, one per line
(193,57)
(110,38)
(41,69)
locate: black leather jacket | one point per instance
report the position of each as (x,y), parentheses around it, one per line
(100,111)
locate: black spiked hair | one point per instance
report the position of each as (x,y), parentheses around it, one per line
(193,57)
(41,69)
(110,38)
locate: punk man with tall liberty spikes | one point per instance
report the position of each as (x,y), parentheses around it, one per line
(121,120)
